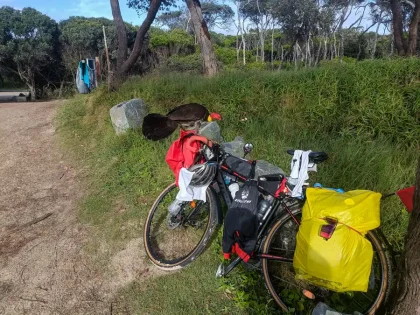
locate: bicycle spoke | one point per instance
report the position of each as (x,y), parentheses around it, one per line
(169,242)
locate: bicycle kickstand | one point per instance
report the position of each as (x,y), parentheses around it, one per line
(223,270)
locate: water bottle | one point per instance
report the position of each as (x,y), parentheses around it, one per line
(233,188)
(263,207)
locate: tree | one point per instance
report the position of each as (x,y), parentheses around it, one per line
(29,47)
(406,300)
(124,64)
(83,37)
(173,20)
(261,13)
(203,37)
(405,20)
(215,14)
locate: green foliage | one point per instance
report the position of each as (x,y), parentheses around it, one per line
(226,55)
(175,37)
(365,115)
(215,14)
(83,37)
(172,19)
(189,63)
(29,46)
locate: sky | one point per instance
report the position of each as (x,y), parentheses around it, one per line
(63,9)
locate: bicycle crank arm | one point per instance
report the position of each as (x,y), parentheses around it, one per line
(224,270)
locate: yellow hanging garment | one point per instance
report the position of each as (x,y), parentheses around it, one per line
(331,249)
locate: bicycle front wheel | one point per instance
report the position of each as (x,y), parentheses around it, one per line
(172,247)
(288,292)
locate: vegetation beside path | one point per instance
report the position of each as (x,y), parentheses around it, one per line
(365,115)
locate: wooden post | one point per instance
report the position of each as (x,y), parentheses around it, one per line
(110,76)
(98,69)
(106,49)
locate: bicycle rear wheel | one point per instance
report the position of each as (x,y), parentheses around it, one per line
(288,292)
(175,247)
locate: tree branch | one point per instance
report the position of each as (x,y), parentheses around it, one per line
(121,33)
(141,33)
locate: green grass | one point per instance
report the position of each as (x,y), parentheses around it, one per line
(365,115)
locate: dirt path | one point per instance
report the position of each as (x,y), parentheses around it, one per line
(43,269)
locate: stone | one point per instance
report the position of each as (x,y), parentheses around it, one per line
(129,114)
(265,168)
(235,147)
(211,130)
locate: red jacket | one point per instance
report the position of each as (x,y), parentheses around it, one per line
(178,156)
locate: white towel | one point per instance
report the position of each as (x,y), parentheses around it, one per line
(187,192)
(299,171)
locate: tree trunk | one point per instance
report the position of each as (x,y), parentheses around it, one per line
(397,25)
(375,40)
(325,47)
(238,48)
(141,33)
(60,91)
(256,56)
(272,47)
(121,34)
(406,300)
(241,32)
(203,36)
(262,42)
(413,30)
(32,91)
(244,49)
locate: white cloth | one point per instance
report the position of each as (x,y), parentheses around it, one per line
(187,192)
(299,171)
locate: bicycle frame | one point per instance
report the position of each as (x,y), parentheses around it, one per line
(278,203)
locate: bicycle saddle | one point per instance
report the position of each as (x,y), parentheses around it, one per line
(314,157)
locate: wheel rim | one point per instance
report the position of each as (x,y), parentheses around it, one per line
(287,291)
(172,246)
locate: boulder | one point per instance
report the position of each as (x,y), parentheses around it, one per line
(235,147)
(211,130)
(265,168)
(129,114)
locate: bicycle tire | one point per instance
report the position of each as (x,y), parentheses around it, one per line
(378,246)
(180,262)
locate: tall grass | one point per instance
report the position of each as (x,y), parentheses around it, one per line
(365,115)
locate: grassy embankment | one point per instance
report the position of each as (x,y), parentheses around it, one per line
(365,115)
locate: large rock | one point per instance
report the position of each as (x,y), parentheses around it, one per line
(211,130)
(266,168)
(129,114)
(235,147)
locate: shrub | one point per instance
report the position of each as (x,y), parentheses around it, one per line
(226,55)
(190,63)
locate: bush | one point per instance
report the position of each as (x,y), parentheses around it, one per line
(226,55)
(190,63)
(159,38)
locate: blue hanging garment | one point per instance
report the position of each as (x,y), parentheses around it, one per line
(82,73)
